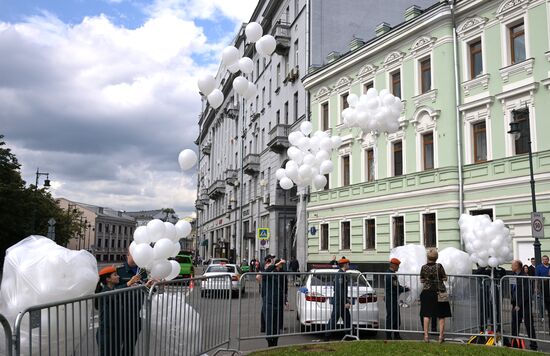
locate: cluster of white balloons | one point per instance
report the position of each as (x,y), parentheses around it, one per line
(231,58)
(187,159)
(165,239)
(309,158)
(373,111)
(488,242)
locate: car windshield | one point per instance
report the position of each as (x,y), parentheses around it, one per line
(183,259)
(328,279)
(229,269)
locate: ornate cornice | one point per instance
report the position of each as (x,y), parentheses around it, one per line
(422,44)
(367,71)
(342,83)
(471,26)
(509,7)
(393,59)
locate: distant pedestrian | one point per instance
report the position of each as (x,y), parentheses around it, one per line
(521,304)
(341,304)
(294,267)
(392,291)
(334,263)
(434,298)
(261,279)
(276,298)
(533,267)
(542,270)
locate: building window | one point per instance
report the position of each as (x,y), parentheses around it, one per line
(263,97)
(428,150)
(112,243)
(120,229)
(396,83)
(517,43)
(118,243)
(327,186)
(370,165)
(476,59)
(324,116)
(345,225)
(296,53)
(425,75)
(488,212)
(113,229)
(125,230)
(278,117)
(370,234)
(296,107)
(269,93)
(480,142)
(345,170)
(367,86)
(523,142)
(100,227)
(430,231)
(278,78)
(257,68)
(125,243)
(98,242)
(398,231)
(324,237)
(286,113)
(397,148)
(344,101)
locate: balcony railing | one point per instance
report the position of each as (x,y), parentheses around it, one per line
(281,32)
(278,138)
(216,189)
(251,164)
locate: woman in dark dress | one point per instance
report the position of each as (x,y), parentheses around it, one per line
(432,275)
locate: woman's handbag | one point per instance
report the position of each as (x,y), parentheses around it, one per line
(442,296)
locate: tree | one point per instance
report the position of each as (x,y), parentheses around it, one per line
(25,210)
(168,212)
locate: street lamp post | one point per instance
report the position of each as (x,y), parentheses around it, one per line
(516,132)
(46,185)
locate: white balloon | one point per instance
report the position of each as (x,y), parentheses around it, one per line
(319,182)
(183,229)
(240,84)
(493,262)
(305,172)
(303,143)
(326,144)
(206,84)
(306,127)
(170,231)
(186,159)
(215,98)
(322,156)
(352,100)
(326,167)
(371,93)
(246,65)
(143,255)
(309,159)
(234,68)
(176,249)
(163,249)
(132,246)
(251,91)
(230,55)
(155,229)
(268,44)
(286,183)
(336,141)
(140,235)
(383,92)
(280,173)
(161,269)
(294,137)
(259,48)
(175,270)
(253,32)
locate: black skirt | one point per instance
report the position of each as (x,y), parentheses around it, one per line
(431,308)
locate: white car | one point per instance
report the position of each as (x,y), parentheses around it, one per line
(314,303)
(216,282)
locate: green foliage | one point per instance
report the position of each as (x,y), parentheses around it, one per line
(26,210)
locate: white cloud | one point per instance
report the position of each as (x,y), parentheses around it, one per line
(238,10)
(105,109)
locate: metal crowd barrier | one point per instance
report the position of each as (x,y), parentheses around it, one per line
(190,316)
(6,347)
(276,304)
(525,310)
(181,317)
(398,310)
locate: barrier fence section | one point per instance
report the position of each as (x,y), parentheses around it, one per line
(6,346)
(275,304)
(525,310)
(396,303)
(190,316)
(182,317)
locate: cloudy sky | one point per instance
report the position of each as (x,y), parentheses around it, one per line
(102,93)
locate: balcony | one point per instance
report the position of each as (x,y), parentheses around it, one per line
(206,149)
(281,32)
(230,176)
(251,164)
(203,196)
(217,189)
(278,138)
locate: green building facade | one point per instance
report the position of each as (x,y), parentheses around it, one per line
(464,73)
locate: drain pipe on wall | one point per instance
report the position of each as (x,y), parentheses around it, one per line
(452,4)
